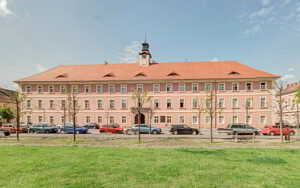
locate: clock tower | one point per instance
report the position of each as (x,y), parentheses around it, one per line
(145,56)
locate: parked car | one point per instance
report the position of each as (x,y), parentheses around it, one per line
(13,128)
(183,129)
(275,130)
(61,126)
(111,128)
(70,130)
(91,126)
(145,129)
(43,128)
(239,128)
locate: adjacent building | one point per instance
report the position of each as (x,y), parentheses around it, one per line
(242,93)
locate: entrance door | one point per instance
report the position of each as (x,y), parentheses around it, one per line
(142,119)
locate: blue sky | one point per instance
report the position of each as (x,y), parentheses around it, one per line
(36,35)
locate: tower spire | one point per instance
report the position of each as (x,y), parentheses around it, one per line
(145,37)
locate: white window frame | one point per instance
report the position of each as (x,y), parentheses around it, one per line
(40,105)
(220,86)
(156,120)
(207,119)
(158,88)
(122,100)
(112,118)
(181,84)
(237,85)
(140,86)
(86,104)
(124,122)
(99,88)
(38,87)
(49,89)
(193,100)
(206,102)
(196,122)
(63,104)
(100,118)
(206,87)
(197,87)
(87,89)
(251,103)
(169,118)
(113,87)
(123,88)
(171,87)
(75,89)
(63,89)
(233,118)
(40,119)
(28,89)
(51,103)
(246,88)
(29,119)
(224,103)
(113,102)
(260,118)
(51,120)
(167,103)
(180,103)
(179,119)
(265,104)
(223,122)
(246,119)
(266,86)
(62,119)
(237,102)
(154,104)
(87,119)
(28,103)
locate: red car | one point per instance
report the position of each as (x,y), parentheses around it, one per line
(112,128)
(13,129)
(275,130)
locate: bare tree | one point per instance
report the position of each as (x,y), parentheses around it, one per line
(248,106)
(151,113)
(297,102)
(280,104)
(200,109)
(140,98)
(211,110)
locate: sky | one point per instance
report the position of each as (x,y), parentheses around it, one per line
(36,35)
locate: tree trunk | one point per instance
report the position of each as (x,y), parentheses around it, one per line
(199,124)
(139,122)
(211,126)
(74,121)
(298,119)
(18,119)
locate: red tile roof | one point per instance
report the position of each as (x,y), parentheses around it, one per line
(156,71)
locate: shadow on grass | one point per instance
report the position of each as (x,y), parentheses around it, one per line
(202,151)
(266,160)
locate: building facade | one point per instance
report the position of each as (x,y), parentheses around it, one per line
(104,92)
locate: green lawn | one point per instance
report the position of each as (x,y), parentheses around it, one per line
(89,166)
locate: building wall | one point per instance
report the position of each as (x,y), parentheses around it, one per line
(175,111)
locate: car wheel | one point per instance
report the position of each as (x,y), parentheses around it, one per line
(154,132)
(47,131)
(271,133)
(292,133)
(175,132)
(256,133)
(194,132)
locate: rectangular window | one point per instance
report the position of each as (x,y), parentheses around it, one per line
(40,104)
(52,120)
(99,88)
(249,119)
(51,89)
(249,103)
(194,120)
(249,86)
(207,119)
(169,87)
(140,87)
(28,89)
(208,87)
(221,120)
(111,88)
(40,89)
(28,103)
(169,119)
(100,119)
(100,104)
(51,104)
(75,89)
(86,104)
(181,103)
(63,89)
(29,120)
(222,87)
(62,119)
(156,87)
(124,103)
(194,87)
(156,103)
(182,87)
(156,119)
(87,89)
(235,86)
(123,88)
(40,119)
(111,119)
(263,85)
(263,119)
(208,103)
(111,104)
(235,119)
(195,103)
(169,103)
(263,102)
(181,119)
(124,119)
(162,119)
(221,103)
(63,103)
(87,119)
(235,103)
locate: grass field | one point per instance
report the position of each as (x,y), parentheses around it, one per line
(89,166)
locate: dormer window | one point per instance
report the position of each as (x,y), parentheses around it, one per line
(173,74)
(62,76)
(233,73)
(109,75)
(140,74)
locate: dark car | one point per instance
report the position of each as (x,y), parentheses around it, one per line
(43,128)
(70,129)
(183,129)
(92,126)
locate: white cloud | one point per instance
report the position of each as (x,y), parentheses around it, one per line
(4,10)
(288,77)
(39,68)
(131,52)
(291,69)
(215,59)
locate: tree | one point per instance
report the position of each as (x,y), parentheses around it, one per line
(200,110)
(280,104)
(297,102)
(151,113)
(7,113)
(140,98)
(211,110)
